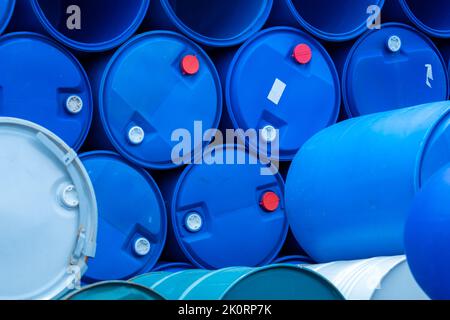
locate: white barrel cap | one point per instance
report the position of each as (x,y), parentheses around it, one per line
(194,222)
(48,216)
(394,43)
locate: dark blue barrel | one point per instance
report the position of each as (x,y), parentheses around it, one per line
(132,218)
(432,17)
(6,11)
(172,266)
(225,214)
(330,20)
(155,84)
(281,82)
(427,236)
(214,23)
(83,25)
(391,68)
(114,291)
(350,188)
(42,82)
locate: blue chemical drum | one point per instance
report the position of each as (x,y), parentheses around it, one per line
(172,267)
(48,215)
(327,19)
(231,209)
(431,17)
(83,25)
(6,11)
(391,68)
(44,83)
(213,23)
(156,87)
(114,291)
(278,282)
(281,79)
(132,218)
(350,188)
(427,236)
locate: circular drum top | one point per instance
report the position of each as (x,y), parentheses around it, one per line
(48,218)
(392,68)
(88,25)
(42,82)
(6,11)
(132,218)
(284,79)
(145,96)
(230,220)
(114,290)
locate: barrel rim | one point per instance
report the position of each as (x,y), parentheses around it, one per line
(77,64)
(153,185)
(247,45)
(106,73)
(257,25)
(91,47)
(117,283)
(350,110)
(176,227)
(88,217)
(443,34)
(327,36)
(8,15)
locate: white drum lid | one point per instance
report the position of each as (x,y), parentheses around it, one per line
(48,213)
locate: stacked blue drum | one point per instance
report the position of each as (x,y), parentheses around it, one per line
(224,150)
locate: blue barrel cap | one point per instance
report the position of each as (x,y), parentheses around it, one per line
(44,83)
(156,83)
(49,216)
(283,79)
(103,24)
(226,215)
(277,282)
(6,11)
(427,236)
(391,68)
(172,266)
(132,218)
(215,23)
(114,290)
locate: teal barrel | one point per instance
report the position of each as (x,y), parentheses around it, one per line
(277,282)
(114,290)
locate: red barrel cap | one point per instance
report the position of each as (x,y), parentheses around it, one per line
(190,65)
(270,201)
(302,53)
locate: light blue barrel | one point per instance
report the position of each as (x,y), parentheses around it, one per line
(329,20)
(350,188)
(427,236)
(277,282)
(114,290)
(214,23)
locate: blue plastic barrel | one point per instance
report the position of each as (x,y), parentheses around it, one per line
(172,266)
(132,218)
(155,84)
(6,11)
(427,236)
(391,68)
(114,290)
(213,23)
(281,79)
(329,20)
(350,188)
(432,17)
(83,25)
(225,214)
(277,282)
(44,83)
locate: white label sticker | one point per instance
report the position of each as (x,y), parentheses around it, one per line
(277,91)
